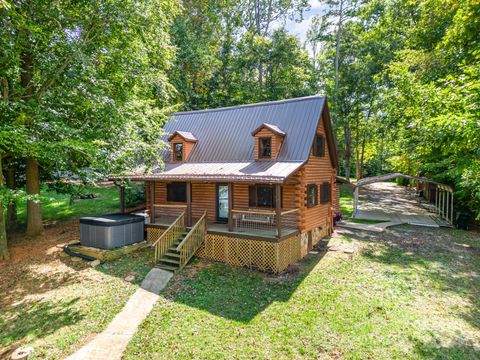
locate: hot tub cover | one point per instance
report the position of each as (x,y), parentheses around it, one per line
(111,220)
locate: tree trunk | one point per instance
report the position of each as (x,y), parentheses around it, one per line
(12,207)
(348,148)
(3,234)
(362,159)
(337,47)
(34,211)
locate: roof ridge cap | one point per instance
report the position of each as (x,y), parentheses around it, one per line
(259,104)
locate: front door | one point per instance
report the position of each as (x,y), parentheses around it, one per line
(222,202)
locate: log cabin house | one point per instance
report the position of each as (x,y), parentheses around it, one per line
(250,185)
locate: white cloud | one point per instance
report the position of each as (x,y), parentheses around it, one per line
(299,29)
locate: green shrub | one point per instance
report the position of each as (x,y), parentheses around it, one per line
(134,194)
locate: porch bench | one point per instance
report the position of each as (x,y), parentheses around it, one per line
(266,219)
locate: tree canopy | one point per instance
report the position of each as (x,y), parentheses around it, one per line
(85,86)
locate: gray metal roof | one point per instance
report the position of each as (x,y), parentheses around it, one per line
(225,134)
(253,171)
(224,142)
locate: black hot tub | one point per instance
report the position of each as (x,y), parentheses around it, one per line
(111,231)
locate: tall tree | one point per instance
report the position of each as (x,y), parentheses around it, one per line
(77,77)
(433,93)
(4,255)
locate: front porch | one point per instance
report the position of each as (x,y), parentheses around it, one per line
(242,224)
(265,233)
(227,207)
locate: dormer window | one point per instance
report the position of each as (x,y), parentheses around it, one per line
(178,151)
(268,141)
(182,144)
(265,147)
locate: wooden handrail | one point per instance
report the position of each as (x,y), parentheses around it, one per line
(171,206)
(264,212)
(194,239)
(289,211)
(168,229)
(257,212)
(168,238)
(191,231)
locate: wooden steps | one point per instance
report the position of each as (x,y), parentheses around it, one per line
(170,261)
(173,260)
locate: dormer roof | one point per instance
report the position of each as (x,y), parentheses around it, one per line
(187,136)
(273,128)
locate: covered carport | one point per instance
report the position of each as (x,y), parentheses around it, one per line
(424,202)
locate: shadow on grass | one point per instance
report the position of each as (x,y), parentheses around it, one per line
(446,260)
(36,319)
(236,293)
(137,263)
(462,349)
(33,282)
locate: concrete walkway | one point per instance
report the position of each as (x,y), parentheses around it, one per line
(380,227)
(112,342)
(389,202)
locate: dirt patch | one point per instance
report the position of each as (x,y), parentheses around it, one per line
(49,244)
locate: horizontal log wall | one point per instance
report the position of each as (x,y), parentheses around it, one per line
(204,197)
(316,171)
(240,197)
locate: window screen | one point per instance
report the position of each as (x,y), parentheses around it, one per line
(265,147)
(319,146)
(325,193)
(311,195)
(263,196)
(178,151)
(177,192)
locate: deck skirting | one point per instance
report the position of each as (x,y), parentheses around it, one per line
(270,256)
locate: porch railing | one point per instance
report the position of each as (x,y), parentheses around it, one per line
(166,213)
(169,236)
(192,241)
(264,222)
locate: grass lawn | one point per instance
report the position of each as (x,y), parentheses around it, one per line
(56,305)
(58,207)
(346,201)
(407,293)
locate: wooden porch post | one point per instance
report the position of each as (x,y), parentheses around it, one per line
(230,206)
(451,211)
(444,204)
(122,199)
(189,204)
(440,202)
(447,210)
(278,209)
(152,202)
